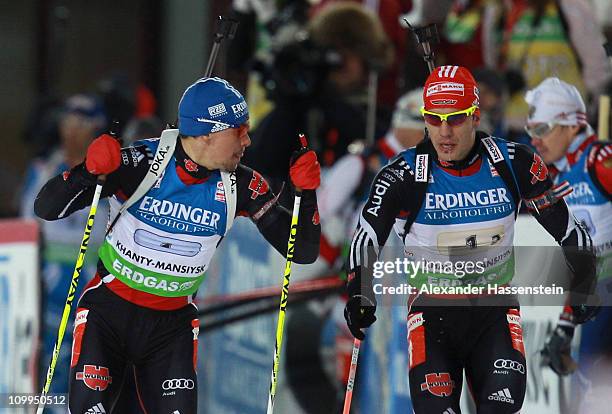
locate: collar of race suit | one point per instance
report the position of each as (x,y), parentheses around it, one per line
(187,169)
(467,166)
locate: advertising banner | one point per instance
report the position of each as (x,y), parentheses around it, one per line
(19,307)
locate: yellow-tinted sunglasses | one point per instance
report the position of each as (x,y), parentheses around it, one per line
(452,119)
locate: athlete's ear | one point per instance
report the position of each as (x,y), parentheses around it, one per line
(476,120)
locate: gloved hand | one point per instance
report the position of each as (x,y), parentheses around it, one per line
(304,170)
(103,155)
(359,313)
(360,309)
(557,353)
(584,313)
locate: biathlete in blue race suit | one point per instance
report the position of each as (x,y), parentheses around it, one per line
(559,131)
(138,309)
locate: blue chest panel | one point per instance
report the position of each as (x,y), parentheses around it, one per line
(470,199)
(174,207)
(584,190)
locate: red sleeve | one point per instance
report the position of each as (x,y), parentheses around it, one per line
(603,167)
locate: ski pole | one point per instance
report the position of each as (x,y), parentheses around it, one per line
(280,326)
(351,378)
(227,29)
(426,36)
(74,283)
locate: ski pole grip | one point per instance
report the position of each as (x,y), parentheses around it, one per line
(113,131)
(303,140)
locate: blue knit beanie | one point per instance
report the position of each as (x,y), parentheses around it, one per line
(211,105)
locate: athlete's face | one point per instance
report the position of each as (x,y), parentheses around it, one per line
(219,150)
(452,143)
(227,147)
(552,144)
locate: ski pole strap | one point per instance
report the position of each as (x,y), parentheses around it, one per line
(549,197)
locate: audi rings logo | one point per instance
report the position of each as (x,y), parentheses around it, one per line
(178,384)
(509,364)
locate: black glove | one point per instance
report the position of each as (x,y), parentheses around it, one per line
(584,313)
(557,350)
(360,309)
(359,313)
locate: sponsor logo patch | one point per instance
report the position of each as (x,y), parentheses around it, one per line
(440,385)
(449,88)
(538,169)
(217,110)
(239,109)
(81,317)
(96,409)
(315,218)
(444,102)
(503,396)
(493,150)
(516,331)
(220,192)
(509,364)
(421,168)
(258,185)
(378,191)
(414,321)
(178,384)
(95,377)
(190,165)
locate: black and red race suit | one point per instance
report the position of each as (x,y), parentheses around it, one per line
(118,326)
(465,203)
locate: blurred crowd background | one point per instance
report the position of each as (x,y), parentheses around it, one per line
(347,73)
(69,67)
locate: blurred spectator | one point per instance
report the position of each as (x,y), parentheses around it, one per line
(142,128)
(124,99)
(422,13)
(469,33)
(81,120)
(343,190)
(346,185)
(41,133)
(603,11)
(493,98)
(388,12)
(319,84)
(543,38)
(263,25)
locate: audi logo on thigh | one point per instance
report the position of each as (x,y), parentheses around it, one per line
(178,384)
(509,364)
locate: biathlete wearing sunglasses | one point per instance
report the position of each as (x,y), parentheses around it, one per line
(466,205)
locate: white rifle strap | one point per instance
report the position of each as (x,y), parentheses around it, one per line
(229,186)
(165,150)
